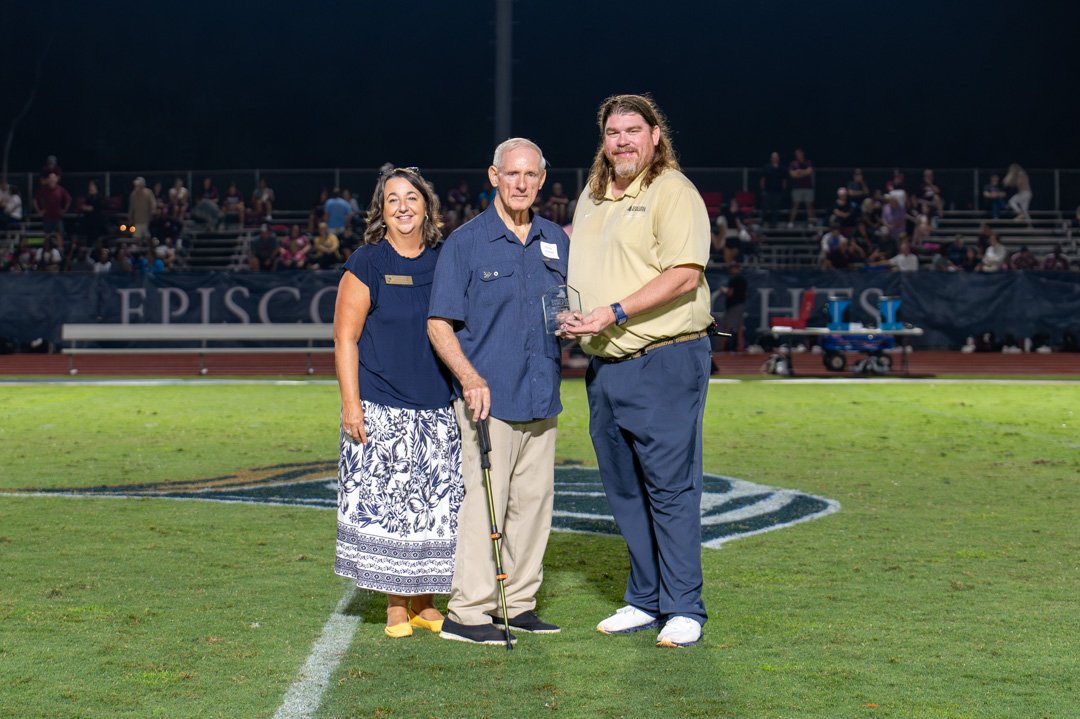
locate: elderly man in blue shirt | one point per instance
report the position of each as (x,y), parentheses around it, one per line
(486,322)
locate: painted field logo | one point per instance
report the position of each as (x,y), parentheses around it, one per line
(730,508)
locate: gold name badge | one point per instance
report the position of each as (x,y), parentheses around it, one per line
(398,279)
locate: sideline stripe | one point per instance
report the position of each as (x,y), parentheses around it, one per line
(305,695)
(914,380)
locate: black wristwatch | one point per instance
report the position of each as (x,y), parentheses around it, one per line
(620,316)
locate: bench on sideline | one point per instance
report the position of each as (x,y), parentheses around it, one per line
(308,333)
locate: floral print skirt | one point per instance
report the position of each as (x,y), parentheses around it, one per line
(398,500)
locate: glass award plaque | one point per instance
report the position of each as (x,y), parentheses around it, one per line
(559,303)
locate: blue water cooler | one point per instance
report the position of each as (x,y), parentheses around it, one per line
(836,307)
(888,307)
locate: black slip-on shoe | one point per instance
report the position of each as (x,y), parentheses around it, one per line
(474,633)
(527,622)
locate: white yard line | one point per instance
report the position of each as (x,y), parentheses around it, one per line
(305,695)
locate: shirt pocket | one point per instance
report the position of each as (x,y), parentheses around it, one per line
(495,280)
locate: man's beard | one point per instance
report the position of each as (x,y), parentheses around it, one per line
(627,169)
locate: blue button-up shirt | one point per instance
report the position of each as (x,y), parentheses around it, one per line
(490,285)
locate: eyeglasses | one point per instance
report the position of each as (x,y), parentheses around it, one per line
(391,170)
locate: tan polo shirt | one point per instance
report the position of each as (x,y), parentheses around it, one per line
(619,245)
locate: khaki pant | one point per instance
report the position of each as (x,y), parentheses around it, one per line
(523,489)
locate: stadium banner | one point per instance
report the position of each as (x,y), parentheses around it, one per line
(948,306)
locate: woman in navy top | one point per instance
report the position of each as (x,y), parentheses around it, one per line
(399,478)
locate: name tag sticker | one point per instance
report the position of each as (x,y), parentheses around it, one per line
(550,250)
(398,279)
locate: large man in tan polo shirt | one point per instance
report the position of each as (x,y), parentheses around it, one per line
(640,244)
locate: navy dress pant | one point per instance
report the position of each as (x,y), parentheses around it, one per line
(645,419)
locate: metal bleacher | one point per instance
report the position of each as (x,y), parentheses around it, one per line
(799,247)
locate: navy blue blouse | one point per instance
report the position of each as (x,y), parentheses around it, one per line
(398,367)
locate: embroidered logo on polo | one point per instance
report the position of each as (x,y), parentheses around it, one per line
(730,508)
(636,208)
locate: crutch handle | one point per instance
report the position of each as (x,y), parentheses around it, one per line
(485,438)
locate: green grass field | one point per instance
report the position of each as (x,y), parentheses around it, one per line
(946,586)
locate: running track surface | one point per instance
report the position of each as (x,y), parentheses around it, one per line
(921,364)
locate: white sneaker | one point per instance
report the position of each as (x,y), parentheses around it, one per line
(679,632)
(626,620)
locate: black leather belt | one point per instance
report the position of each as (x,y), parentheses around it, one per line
(678,339)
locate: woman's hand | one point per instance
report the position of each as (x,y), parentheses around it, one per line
(352,423)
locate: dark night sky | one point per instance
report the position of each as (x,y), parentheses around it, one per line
(196,84)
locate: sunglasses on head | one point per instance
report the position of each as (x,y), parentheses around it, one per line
(392,170)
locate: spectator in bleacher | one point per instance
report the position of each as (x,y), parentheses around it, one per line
(5,197)
(324,252)
(51,167)
(48,257)
(801,182)
(1056,261)
(354,206)
(262,201)
(179,200)
(486,196)
(735,294)
(894,215)
(857,188)
(844,255)
(162,200)
(292,255)
(142,206)
(843,212)
(1023,259)
(52,202)
(956,252)
(147,263)
(940,262)
(102,262)
(993,259)
(971,259)
(232,205)
(91,211)
(870,214)
(994,197)
(458,197)
(557,205)
(21,258)
(348,241)
(11,212)
(81,262)
(208,208)
(773,185)
(829,241)
(265,250)
(931,195)
(338,212)
(922,229)
(165,250)
(122,263)
(731,231)
(1019,202)
(905,260)
(318,212)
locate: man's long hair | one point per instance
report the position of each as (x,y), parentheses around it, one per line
(602,171)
